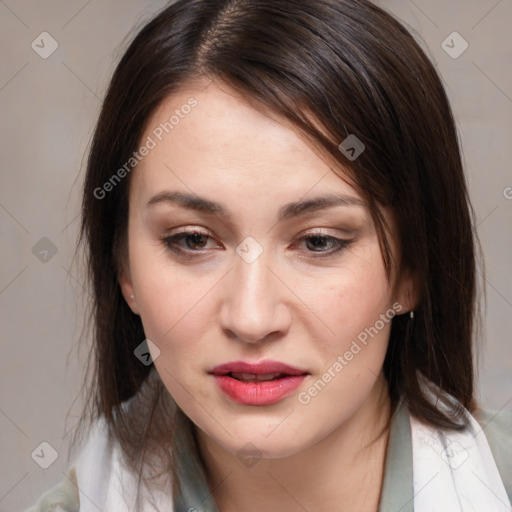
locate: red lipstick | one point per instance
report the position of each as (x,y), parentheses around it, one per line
(260,383)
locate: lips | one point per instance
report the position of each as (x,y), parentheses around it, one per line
(263,383)
(260,370)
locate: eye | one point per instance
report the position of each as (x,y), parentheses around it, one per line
(318,240)
(194,240)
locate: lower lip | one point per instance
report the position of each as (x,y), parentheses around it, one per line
(258,393)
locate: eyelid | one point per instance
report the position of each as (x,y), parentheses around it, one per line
(308,233)
(339,243)
(326,232)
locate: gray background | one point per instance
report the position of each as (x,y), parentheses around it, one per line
(49,107)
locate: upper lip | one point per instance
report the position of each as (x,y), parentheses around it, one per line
(262,368)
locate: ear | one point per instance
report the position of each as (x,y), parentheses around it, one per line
(125,282)
(407,292)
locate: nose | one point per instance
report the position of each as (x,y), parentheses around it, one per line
(254,307)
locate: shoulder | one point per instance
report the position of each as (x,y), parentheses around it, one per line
(91,464)
(63,497)
(497,427)
(99,476)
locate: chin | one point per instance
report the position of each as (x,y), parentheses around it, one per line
(257,442)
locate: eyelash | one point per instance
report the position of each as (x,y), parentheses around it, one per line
(170,243)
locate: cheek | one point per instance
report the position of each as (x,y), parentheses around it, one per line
(357,308)
(172,304)
(353,300)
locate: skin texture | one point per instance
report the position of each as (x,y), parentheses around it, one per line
(291,304)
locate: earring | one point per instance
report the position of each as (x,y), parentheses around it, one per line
(132,296)
(411,314)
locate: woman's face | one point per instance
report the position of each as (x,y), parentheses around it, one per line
(271,275)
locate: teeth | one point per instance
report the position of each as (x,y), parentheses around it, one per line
(254,377)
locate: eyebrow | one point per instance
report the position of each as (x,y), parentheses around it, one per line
(286,212)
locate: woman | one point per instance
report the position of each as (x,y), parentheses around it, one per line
(281,252)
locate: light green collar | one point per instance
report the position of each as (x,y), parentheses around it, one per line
(397,491)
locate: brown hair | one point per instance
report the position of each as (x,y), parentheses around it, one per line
(360,72)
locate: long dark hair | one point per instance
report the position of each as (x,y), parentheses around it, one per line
(333,68)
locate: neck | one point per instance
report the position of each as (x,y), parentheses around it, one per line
(343,471)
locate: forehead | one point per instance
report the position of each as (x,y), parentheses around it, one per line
(208,137)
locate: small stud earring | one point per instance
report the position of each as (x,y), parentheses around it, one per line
(132,296)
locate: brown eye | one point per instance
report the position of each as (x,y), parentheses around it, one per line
(187,243)
(194,241)
(316,241)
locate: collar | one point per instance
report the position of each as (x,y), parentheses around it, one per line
(397,492)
